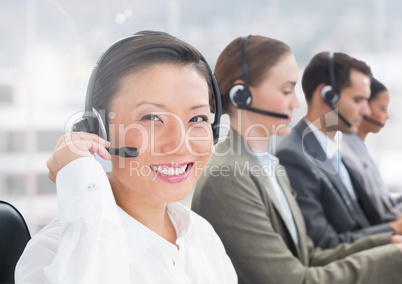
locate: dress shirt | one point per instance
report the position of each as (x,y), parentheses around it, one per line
(94,241)
(331,148)
(269,164)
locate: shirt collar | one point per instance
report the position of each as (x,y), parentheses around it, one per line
(328,145)
(355,141)
(140,238)
(268,159)
(267,162)
(181,219)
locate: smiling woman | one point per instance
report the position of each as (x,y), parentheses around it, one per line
(153,108)
(150,92)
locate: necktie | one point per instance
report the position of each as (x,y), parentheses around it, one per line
(343,174)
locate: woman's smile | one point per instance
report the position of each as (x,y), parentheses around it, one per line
(172,172)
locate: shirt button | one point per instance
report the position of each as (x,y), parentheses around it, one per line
(90,187)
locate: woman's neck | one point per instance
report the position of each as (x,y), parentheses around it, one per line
(255,136)
(151,214)
(362,135)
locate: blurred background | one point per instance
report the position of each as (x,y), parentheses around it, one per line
(49,47)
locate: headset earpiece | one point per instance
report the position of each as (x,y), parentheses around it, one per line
(91,122)
(329,95)
(239,96)
(82,125)
(328,92)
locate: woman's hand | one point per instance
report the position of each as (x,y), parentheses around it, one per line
(74,145)
(396,239)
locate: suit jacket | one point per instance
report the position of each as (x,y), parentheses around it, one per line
(358,160)
(330,213)
(238,200)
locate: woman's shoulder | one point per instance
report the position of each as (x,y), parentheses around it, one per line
(202,227)
(48,236)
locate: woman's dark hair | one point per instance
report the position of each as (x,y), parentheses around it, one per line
(376,88)
(143,49)
(317,72)
(262,54)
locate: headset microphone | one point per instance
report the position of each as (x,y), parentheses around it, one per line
(261,111)
(348,124)
(126,152)
(373,121)
(269,113)
(266,112)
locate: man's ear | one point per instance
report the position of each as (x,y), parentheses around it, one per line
(238,82)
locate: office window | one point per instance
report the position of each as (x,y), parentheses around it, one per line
(44,185)
(12,141)
(16,185)
(6,94)
(46,140)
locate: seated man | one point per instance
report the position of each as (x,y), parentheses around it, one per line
(335,207)
(358,159)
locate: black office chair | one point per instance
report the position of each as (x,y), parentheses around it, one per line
(14,235)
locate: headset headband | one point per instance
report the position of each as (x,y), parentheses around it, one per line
(244,43)
(331,70)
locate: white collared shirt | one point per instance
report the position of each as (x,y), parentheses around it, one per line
(94,241)
(331,148)
(328,145)
(269,164)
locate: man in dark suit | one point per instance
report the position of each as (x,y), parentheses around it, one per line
(335,207)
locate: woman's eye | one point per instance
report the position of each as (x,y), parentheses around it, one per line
(199,118)
(151,117)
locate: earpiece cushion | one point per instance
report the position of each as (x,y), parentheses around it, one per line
(91,123)
(329,95)
(239,96)
(81,125)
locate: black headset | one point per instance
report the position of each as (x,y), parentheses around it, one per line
(93,122)
(328,92)
(239,94)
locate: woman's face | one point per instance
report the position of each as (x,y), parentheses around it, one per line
(163,110)
(276,93)
(379,113)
